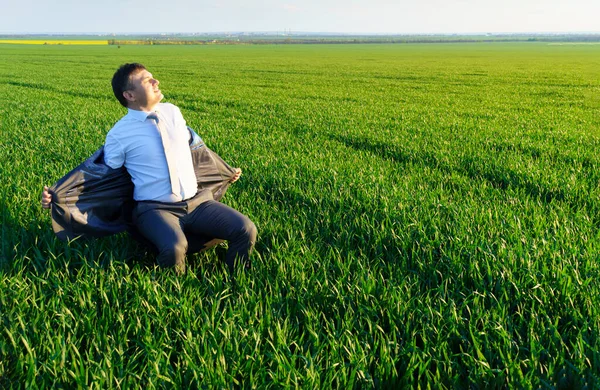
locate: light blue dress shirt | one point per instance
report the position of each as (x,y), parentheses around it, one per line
(135,142)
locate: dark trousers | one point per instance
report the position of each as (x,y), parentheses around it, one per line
(169,226)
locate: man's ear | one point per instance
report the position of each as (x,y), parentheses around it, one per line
(129,96)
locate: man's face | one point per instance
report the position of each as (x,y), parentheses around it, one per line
(144,92)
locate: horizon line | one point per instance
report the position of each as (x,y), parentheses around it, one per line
(290,32)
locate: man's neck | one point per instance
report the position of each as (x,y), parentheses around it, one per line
(144,109)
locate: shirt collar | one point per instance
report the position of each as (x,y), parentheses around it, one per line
(138,115)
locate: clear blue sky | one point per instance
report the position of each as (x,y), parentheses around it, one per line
(358,16)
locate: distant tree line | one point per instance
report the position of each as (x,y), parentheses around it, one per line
(356,40)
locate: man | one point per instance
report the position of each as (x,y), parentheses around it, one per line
(152,142)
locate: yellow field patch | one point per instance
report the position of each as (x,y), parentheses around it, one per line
(53,42)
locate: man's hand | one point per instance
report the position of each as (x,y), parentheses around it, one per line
(236,175)
(46,198)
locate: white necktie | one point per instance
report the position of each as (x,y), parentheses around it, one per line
(171,158)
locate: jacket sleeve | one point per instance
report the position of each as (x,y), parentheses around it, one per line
(212,173)
(93,200)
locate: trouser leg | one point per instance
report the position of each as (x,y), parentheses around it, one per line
(163,229)
(196,242)
(221,221)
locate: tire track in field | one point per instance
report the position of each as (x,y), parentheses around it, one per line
(475,167)
(47,88)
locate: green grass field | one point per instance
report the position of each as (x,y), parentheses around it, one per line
(428,215)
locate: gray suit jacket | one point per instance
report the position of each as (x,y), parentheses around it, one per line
(94,200)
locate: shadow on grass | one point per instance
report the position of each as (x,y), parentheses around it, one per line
(10,231)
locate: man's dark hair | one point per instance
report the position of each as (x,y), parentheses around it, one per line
(120,80)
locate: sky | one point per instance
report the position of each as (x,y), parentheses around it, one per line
(334,16)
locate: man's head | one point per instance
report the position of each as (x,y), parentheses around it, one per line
(135,88)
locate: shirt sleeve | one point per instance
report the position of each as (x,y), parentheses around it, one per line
(181,124)
(113,152)
(179,121)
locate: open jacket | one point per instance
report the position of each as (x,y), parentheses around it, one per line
(94,200)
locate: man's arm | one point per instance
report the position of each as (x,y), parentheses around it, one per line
(114,156)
